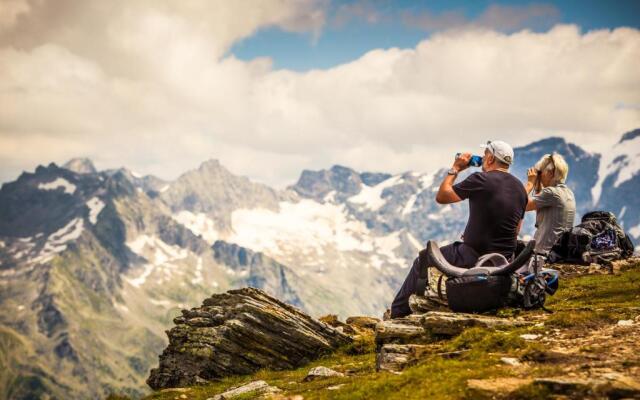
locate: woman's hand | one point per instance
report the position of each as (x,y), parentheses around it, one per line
(532,174)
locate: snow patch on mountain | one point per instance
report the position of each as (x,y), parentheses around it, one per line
(95,207)
(635,231)
(68,187)
(199,224)
(160,256)
(410,203)
(414,241)
(57,241)
(386,246)
(371,196)
(623,159)
(306,224)
(198,278)
(426,180)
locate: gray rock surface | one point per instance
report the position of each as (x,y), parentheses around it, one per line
(240,332)
(423,304)
(451,324)
(255,388)
(396,357)
(321,372)
(424,328)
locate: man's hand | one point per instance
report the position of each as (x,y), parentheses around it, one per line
(462,162)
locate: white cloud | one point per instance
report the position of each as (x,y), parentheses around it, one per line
(153,87)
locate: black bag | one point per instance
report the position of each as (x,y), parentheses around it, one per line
(481,292)
(598,238)
(478,293)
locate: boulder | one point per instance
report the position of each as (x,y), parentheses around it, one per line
(407,330)
(321,372)
(240,332)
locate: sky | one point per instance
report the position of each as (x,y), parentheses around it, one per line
(272,87)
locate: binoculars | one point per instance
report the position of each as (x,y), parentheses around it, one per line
(475,161)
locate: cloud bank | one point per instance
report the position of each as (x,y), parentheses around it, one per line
(151,85)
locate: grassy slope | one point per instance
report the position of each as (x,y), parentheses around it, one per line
(583,304)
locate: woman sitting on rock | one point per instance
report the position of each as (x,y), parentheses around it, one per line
(553,201)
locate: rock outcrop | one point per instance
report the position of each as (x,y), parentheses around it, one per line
(240,332)
(402,342)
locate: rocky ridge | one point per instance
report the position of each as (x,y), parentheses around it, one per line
(240,332)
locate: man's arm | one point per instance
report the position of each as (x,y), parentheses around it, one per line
(446,194)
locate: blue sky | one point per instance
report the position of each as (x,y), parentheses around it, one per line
(355,27)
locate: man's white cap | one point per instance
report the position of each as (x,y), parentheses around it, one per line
(501,150)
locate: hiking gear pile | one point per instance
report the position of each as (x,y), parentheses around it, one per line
(494,282)
(597,239)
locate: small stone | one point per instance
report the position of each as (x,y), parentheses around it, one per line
(362,322)
(335,387)
(183,396)
(321,372)
(529,336)
(395,357)
(256,387)
(514,362)
(625,322)
(539,325)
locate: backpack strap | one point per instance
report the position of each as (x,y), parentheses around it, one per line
(423,276)
(495,259)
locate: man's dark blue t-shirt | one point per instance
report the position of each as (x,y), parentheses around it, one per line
(497,203)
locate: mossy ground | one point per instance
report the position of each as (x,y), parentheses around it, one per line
(583,304)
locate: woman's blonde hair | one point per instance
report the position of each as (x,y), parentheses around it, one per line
(556,163)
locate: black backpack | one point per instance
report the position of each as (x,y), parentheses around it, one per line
(494,282)
(598,238)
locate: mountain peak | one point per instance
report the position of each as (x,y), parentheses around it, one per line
(630,135)
(80,165)
(212,163)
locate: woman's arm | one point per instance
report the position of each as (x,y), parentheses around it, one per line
(531,205)
(532,176)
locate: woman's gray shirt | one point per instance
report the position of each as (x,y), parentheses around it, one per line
(555,212)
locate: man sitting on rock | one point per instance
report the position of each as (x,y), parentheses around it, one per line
(497,203)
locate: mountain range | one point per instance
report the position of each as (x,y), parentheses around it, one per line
(94,264)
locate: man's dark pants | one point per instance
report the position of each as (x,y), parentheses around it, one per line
(457,253)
